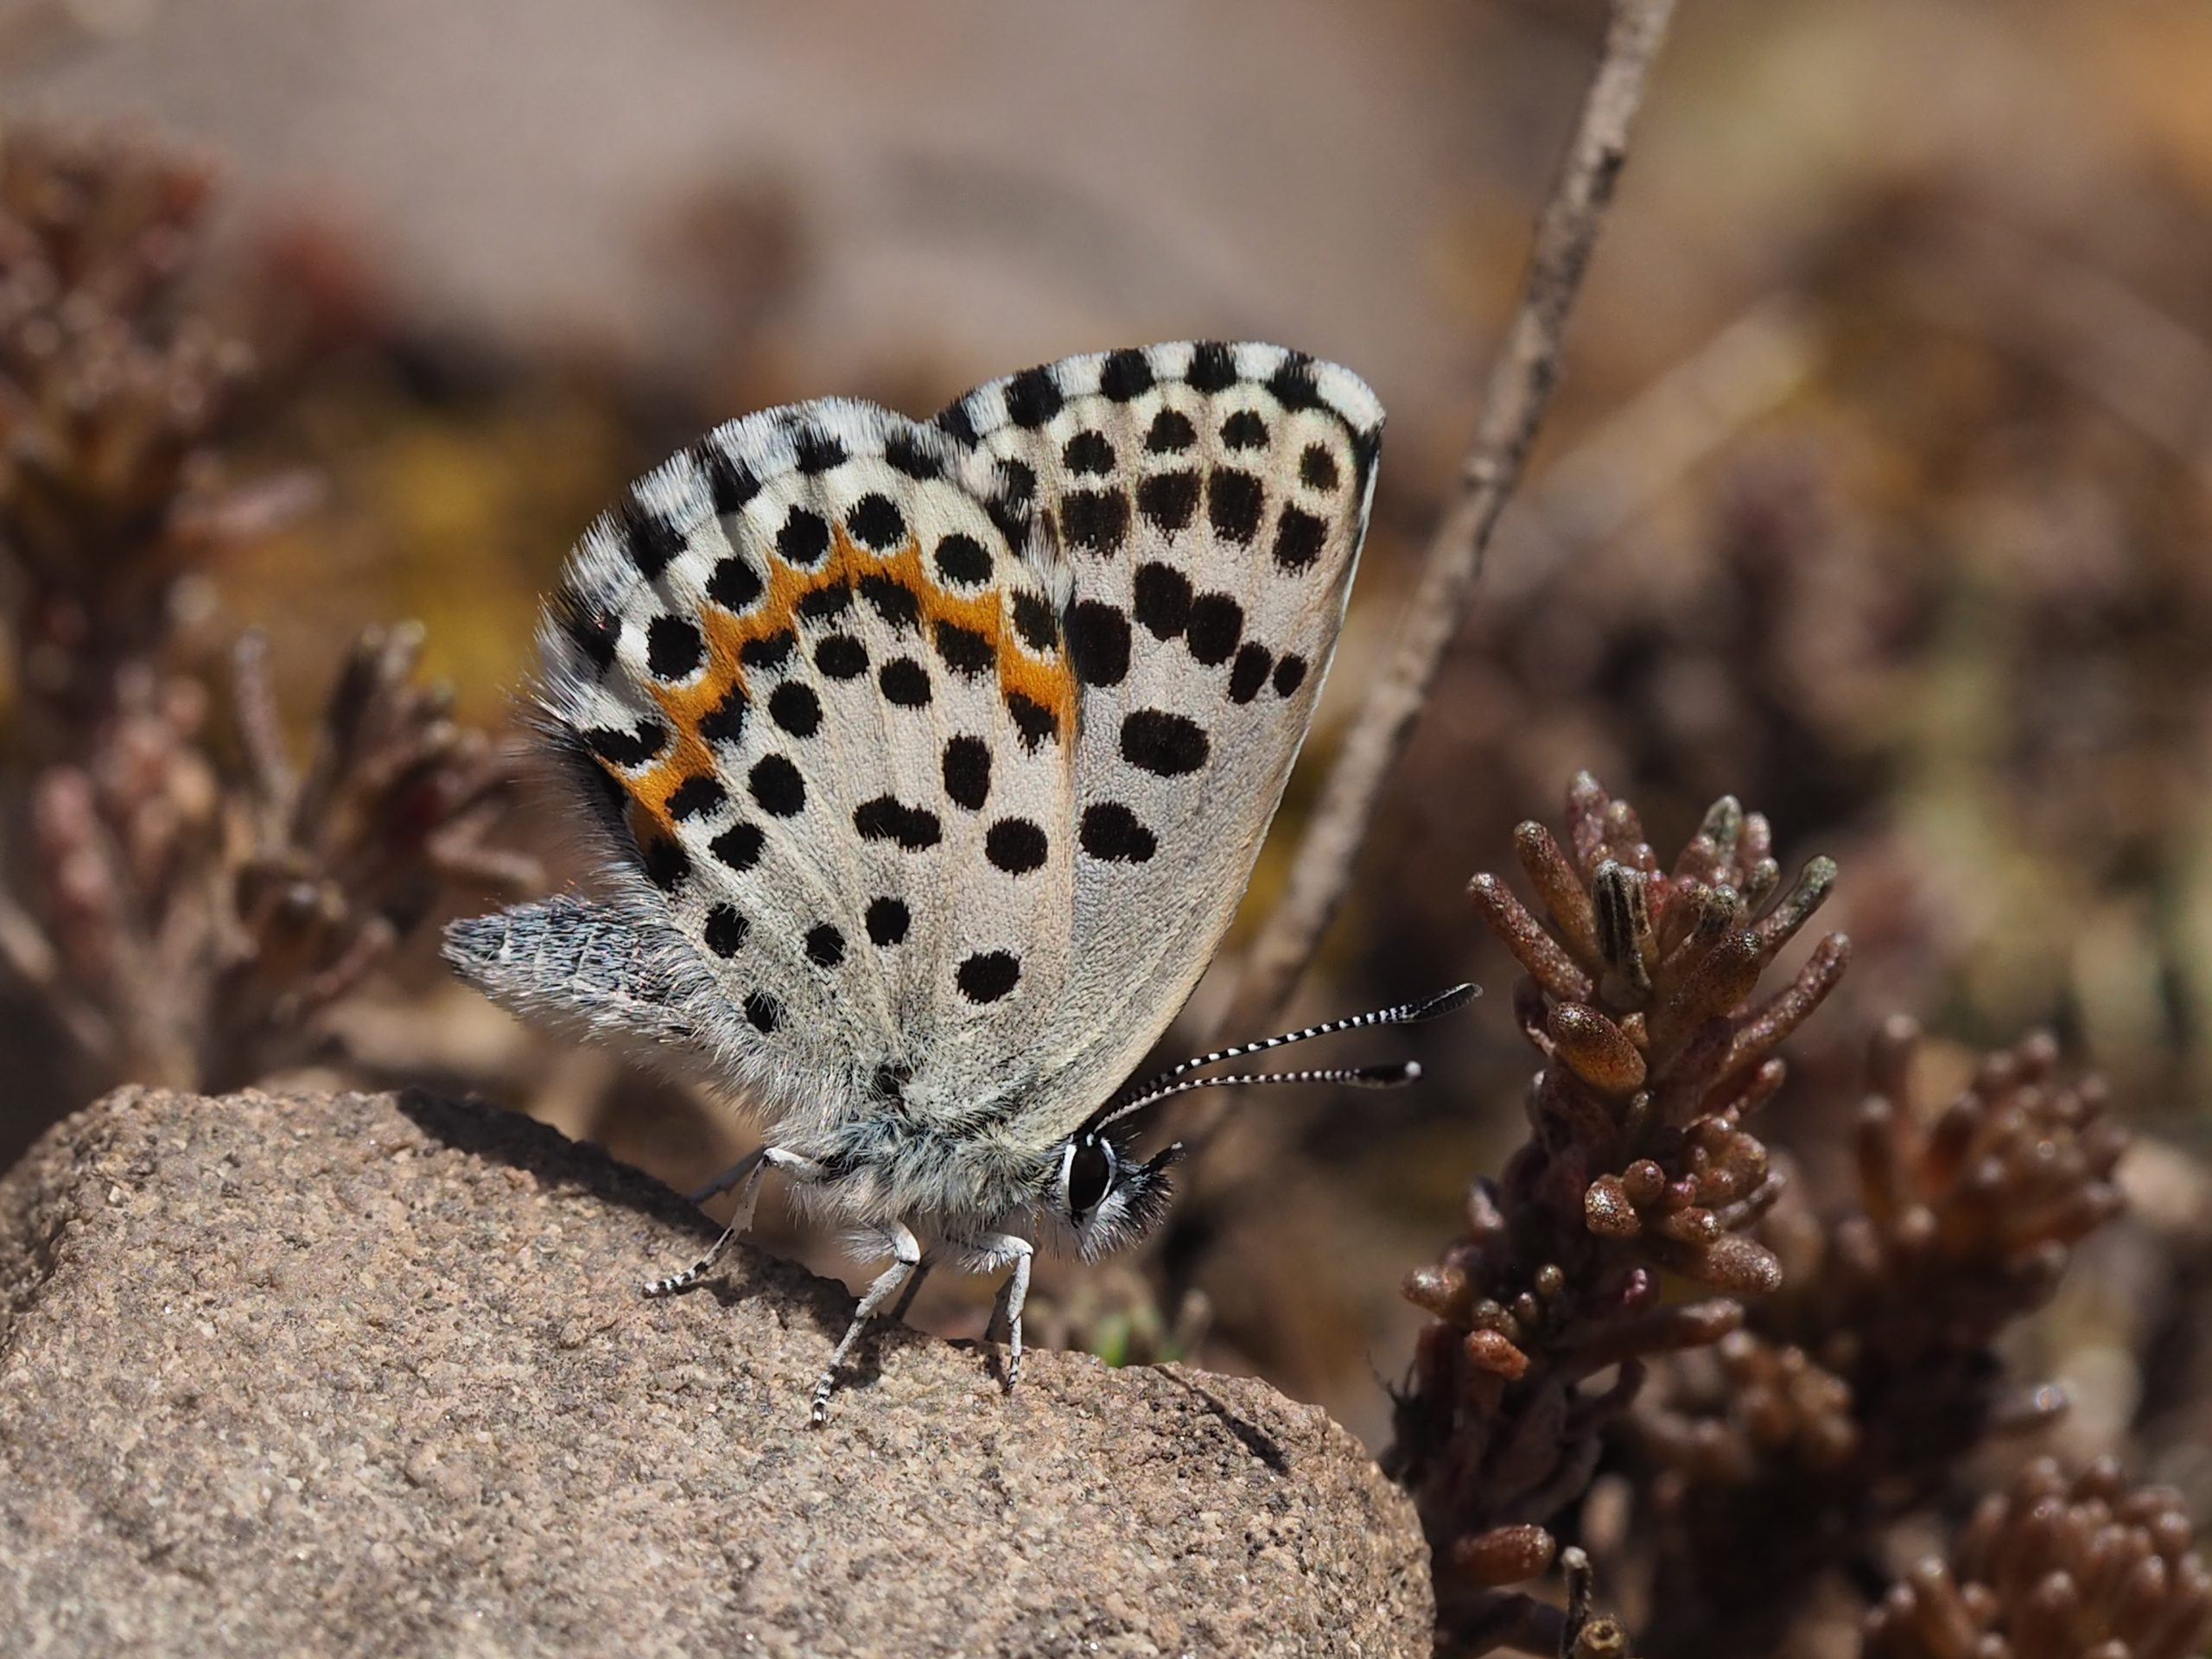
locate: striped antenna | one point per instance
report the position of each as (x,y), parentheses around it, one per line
(1392,1076)
(1167,1083)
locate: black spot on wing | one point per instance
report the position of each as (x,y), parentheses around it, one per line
(697,797)
(892,600)
(825,946)
(804,538)
(725,721)
(834,599)
(1249,672)
(886,818)
(1098,642)
(777,787)
(888,920)
(769,650)
(958,421)
(905,682)
(665,862)
(793,706)
(1168,500)
(841,657)
(963,561)
(817,452)
(966,652)
(1095,520)
(1165,744)
(739,847)
(1034,621)
(1245,429)
(1163,598)
(1216,624)
(1293,384)
(967,772)
(1016,846)
(651,538)
(627,749)
(1032,719)
(595,629)
(1031,398)
(988,975)
(1299,537)
(904,453)
(1170,433)
(725,931)
(732,481)
(1112,833)
(1019,479)
(735,584)
(1089,454)
(1234,499)
(1010,518)
(875,522)
(1213,368)
(1125,375)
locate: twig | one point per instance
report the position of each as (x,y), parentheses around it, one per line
(1520,386)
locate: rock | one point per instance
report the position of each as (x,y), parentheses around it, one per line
(370,1374)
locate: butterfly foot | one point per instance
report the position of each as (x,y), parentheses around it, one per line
(671,1283)
(691,1275)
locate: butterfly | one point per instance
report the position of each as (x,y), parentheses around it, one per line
(929,761)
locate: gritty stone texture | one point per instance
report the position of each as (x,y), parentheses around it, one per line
(371,1374)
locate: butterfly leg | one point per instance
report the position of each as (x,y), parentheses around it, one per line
(746,1175)
(914,1288)
(906,1258)
(729,1178)
(988,1255)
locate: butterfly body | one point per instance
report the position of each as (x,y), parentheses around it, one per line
(932,758)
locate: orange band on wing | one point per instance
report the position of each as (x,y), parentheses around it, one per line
(1045,685)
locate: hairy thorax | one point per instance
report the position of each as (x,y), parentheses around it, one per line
(899,1164)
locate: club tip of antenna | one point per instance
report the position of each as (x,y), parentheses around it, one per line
(1391,1075)
(1445,1002)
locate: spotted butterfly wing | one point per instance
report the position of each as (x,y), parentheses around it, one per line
(1207,503)
(933,759)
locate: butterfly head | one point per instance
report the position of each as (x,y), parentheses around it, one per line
(1103,1196)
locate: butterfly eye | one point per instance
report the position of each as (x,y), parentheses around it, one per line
(1090,1171)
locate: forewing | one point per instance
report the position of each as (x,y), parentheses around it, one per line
(1207,502)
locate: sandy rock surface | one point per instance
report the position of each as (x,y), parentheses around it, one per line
(371,1374)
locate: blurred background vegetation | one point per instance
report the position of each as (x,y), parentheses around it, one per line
(1878,495)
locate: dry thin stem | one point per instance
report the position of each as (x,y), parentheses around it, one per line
(1520,388)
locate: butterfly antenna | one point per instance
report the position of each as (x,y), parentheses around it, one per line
(1392,1076)
(1171,1081)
